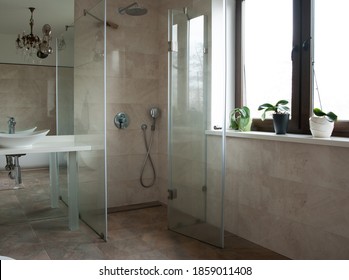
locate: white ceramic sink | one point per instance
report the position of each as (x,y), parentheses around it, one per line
(26,131)
(26,139)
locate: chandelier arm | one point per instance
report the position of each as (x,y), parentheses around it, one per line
(31,22)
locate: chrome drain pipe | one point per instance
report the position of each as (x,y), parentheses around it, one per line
(14,168)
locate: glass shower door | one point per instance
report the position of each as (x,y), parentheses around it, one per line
(64,100)
(90,116)
(195,189)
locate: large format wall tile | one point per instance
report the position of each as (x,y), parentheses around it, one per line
(291,198)
(28,93)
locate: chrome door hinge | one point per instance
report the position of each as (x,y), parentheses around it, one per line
(169,46)
(172,194)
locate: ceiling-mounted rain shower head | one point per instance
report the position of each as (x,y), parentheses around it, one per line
(133,10)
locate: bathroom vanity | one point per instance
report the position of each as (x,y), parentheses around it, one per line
(54,145)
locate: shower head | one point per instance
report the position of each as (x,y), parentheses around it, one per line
(133,10)
(136,11)
(154,112)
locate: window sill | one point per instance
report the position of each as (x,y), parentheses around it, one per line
(292,138)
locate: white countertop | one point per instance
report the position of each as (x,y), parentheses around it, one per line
(49,144)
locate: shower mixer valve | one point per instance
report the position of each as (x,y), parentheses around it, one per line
(121,120)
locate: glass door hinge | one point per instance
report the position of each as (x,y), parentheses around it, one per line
(172,194)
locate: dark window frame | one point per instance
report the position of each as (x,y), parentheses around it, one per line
(302,71)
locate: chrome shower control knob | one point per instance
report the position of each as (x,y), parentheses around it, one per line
(121,120)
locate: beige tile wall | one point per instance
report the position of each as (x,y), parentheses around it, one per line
(291,198)
(136,81)
(27,92)
(132,88)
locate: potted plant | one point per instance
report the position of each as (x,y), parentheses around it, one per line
(322,124)
(280,115)
(240,119)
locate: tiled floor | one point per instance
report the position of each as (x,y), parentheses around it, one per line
(30,229)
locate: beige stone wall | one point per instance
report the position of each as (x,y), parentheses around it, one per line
(137,80)
(28,93)
(132,88)
(291,198)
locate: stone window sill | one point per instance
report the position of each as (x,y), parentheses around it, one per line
(292,138)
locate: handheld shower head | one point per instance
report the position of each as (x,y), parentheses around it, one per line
(154,113)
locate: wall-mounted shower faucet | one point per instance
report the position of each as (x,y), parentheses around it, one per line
(121,120)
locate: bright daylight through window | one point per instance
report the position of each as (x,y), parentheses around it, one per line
(267,52)
(295,50)
(331,55)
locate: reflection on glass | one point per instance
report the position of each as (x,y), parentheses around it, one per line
(196,62)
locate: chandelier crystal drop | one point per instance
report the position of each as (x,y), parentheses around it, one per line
(31,44)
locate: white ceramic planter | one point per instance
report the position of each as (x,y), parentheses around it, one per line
(320,127)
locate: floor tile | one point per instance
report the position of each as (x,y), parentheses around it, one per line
(31,229)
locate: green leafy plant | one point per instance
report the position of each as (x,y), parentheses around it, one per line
(240,119)
(332,117)
(279,108)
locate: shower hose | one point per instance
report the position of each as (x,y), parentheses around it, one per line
(148,157)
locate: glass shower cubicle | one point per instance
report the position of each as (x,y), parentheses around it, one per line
(196,161)
(90,115)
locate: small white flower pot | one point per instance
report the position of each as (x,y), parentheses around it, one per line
(320,127)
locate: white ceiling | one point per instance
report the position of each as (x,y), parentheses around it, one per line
(15,16)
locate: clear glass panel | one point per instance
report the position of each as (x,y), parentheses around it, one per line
(65,83)
(330,56)
(64,99)
(268,45)
(89,117)
(195,208)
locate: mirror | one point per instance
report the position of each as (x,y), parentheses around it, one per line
(15,19)
(27,87)
(29,90)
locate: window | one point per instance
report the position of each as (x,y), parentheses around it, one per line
(331,56)
(294,50)
(267,42)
